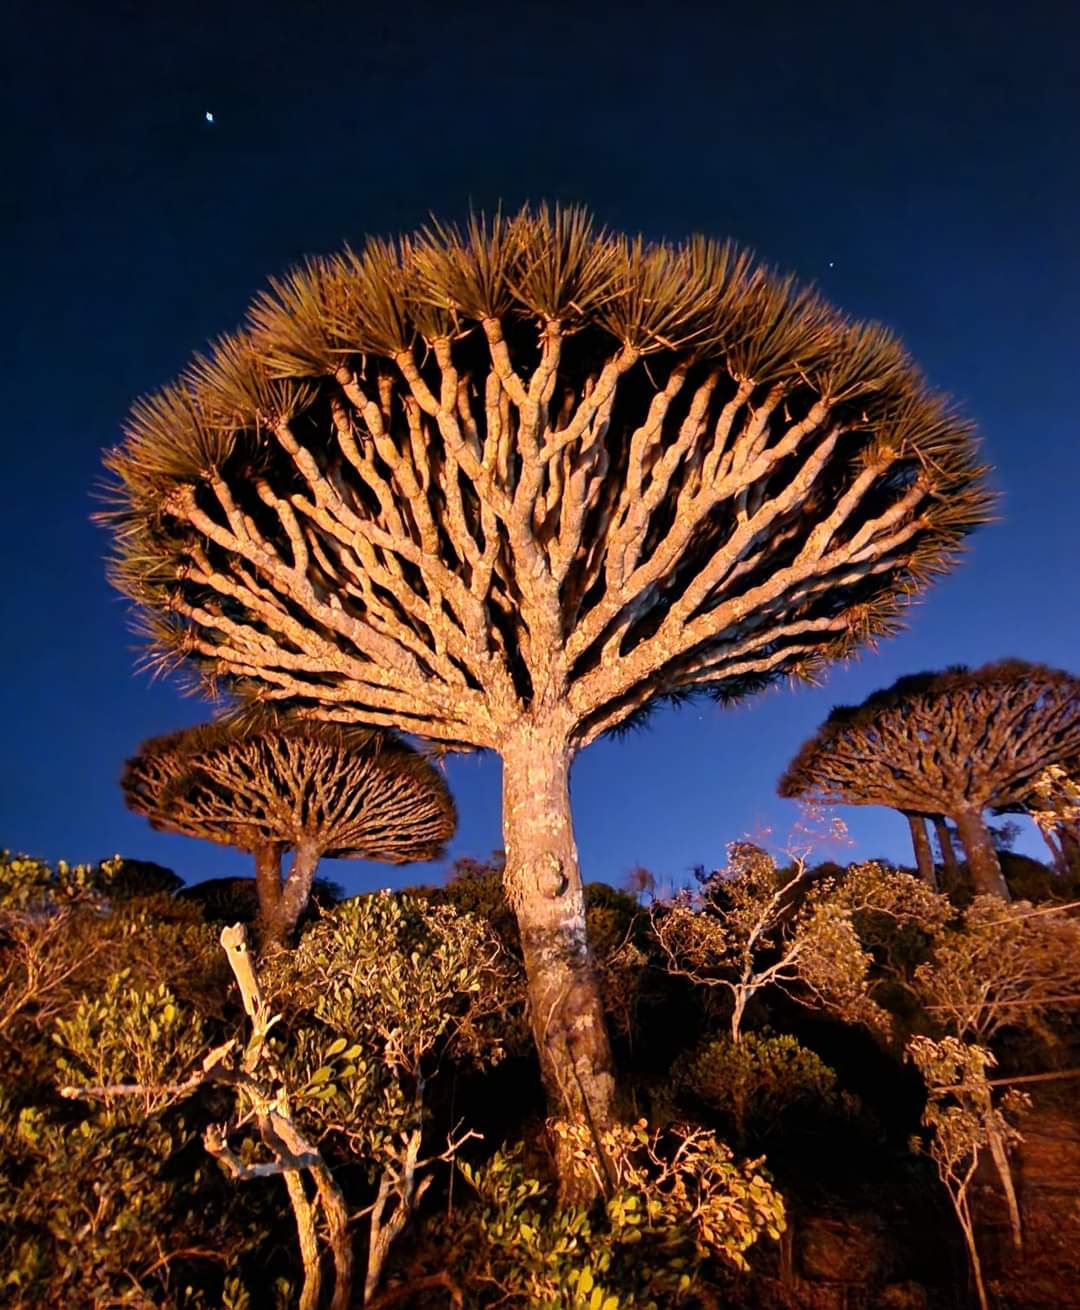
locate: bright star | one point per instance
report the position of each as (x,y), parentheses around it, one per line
(209,116)
(831,264)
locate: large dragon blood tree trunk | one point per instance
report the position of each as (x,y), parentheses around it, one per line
(543,881)
(983,866)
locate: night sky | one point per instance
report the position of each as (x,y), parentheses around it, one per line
(918,162)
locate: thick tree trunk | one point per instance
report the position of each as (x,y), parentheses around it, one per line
(543,883)
(268,890)
(297,889)
(920,842)
(948,854)
(982,860)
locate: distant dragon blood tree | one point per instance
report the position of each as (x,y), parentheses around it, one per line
(955,743)
(317,789)
(507,488)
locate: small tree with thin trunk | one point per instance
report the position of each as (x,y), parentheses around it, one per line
(509,487)
(1054,805)
(955,743)
(269,785)
(964,1119)
(757,926)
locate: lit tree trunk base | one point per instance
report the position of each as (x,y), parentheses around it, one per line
(282,903)
(543,882)
(982,859)
(920,842)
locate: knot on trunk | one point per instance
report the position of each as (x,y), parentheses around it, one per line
(543,875)
(551,879)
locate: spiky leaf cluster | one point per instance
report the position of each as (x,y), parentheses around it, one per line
(532,468)
(939,743)
(346,792)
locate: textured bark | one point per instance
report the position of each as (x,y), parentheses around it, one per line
(999,1153)
(1063,845)
(920,842)
(948,854)
(297,887)
(1069,840)
(982,860)
(308,1241)
(544,886)
(1057,855)
(268,890)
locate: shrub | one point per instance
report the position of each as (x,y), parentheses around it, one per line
(96,1208)
(677,1205)
(755,1081)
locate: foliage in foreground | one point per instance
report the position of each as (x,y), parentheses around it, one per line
(148,1121)
(674,1202)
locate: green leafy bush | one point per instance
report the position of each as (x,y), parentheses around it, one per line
(677,1203)
(755,1081)
(376,993)
(96,1207)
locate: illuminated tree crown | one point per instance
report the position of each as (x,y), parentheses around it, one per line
(534,470)
(345,793)
(933,743)
(508,487)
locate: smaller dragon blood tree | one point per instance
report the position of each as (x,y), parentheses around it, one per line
(273,785)
(954,743)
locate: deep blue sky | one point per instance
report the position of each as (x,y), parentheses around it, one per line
(919,161)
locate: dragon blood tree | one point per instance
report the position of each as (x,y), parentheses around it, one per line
(955,743)
(506,487)
(269,786)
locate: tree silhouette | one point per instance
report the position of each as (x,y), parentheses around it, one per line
(954,743)
(268,786)
(508,487)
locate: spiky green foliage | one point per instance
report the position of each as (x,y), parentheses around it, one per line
(469,475)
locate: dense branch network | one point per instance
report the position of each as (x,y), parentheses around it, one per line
(534,470)
(941,742)
(510,486)
(267,785)
(350,793)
